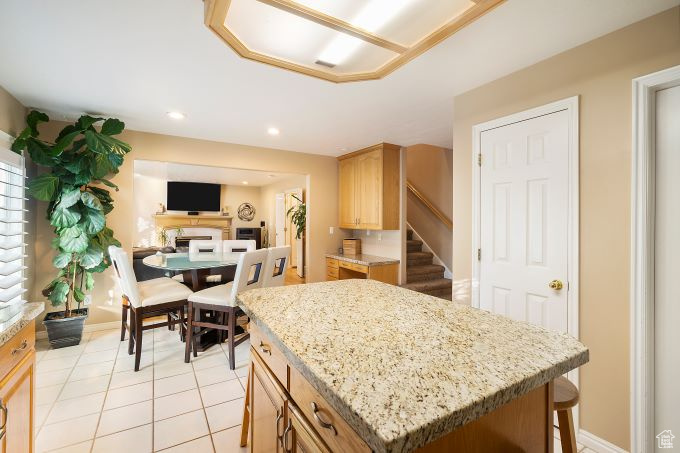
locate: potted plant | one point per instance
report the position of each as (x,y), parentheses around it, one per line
(78,164)
(298,215)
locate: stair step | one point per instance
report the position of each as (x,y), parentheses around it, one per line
(424,272)
(427,286)
(409,234)
(414,245)
(418,258)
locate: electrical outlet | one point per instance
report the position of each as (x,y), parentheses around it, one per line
(380,236)
(331,230)
(87,300)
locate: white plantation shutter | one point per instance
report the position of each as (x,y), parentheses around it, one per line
(12,221)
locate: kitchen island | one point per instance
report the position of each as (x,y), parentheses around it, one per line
(359,365)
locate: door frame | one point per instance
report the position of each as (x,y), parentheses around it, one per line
(571,105)
(643,186)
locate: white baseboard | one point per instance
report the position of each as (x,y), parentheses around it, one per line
(42,334)
(595,443)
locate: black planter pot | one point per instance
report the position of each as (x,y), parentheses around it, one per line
(62,331)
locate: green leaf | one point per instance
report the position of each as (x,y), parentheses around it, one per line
(67,130)
(100,166)
(85,121)
(76,166)
(43,187)
(93,221)
(70,232)
(91,258)
(76,244)
(68,198)
(19,143)
(89,281)
(116,160)
(63,143)
(112,126)
(61,260)
(103,194)
(33,119)
(40,152)
(78,295)
(103,144)
(62,218)
(101,267)
(106,182)
(91,201)
(59,293)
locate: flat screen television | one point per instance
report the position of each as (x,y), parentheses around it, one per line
(193,196)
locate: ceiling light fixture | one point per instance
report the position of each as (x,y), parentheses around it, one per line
(176,115)
(273,131)
(375,15)
(245,182)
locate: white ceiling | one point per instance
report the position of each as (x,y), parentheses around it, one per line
(201,173)
(136,60)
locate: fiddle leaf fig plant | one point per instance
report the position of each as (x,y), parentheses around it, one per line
(78,163)
(298,215)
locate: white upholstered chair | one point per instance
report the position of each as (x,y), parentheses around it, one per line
(222,299)
(159,296)
(238,245)
(276,265)
(198,247)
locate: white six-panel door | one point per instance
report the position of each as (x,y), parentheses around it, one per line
(524,206)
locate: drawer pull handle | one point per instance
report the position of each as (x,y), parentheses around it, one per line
(5,415)
(322,423)
(24,345)
(285,436)
(265,348)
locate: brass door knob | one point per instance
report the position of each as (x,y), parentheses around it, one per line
(556,285)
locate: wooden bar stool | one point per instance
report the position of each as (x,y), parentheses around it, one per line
(565,397)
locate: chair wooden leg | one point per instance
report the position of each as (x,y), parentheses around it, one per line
(138,337)
(124,320)
(182,329)
(231,314)
(189,333)
(567,434)
(246,414)
(196,338)
(171,323)
(131,341)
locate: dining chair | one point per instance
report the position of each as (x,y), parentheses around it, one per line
(201,246)
(158,296)
(275,266)
(222,299)
(238,245)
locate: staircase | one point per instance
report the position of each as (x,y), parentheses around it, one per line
(421,274)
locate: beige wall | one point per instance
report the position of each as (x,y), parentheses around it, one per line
(600,72)
(322,196)
(430,169)
(268,201)
(234,196)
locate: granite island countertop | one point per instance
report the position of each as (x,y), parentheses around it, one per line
(366,260)
(404,368)
(12,326)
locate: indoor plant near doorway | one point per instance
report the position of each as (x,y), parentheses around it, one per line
(78,164)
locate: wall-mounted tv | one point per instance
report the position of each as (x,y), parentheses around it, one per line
(193,196)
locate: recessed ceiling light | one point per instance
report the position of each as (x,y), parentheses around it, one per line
(245,182)
(273,131)
(272,176)
(176,115)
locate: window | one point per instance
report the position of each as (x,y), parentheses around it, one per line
(12,220)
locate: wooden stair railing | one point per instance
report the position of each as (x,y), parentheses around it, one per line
(440,215)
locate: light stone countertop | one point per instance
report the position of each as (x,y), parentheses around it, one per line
(366,260)
(404,368)
(12,326)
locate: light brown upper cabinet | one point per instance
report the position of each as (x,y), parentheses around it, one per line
(369,188)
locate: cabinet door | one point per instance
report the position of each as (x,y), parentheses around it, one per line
(300,437)
(267,410)
(347,193)
(16,412)
(369,190)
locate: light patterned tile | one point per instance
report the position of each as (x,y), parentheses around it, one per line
(176,404)
(132,377)
(47,395)
(83,447)
(129,395)
(200,445)
(88,371)
(51,377)
(76,407)
(225,415)
(97,357)
(180,429)
(228,441)
(61,363)
(221,392)
(137,440)
(62,434)
(126,417)
(87,386)
(214,375)
(174,384)
(208,361)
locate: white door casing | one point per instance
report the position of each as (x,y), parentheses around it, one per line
(280,219)
(524,201)
(528,182)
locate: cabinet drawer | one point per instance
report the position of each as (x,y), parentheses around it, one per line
(17,348)
(332,272)
(354,267)
(331,263)
(339,437)
(270,354)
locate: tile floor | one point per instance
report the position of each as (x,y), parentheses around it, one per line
(90,399)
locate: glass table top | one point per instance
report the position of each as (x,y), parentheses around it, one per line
(186,261)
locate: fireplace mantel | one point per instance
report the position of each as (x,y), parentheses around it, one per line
(173,221)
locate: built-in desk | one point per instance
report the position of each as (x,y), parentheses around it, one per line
(343,267)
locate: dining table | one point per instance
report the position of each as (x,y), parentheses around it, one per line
(195,267)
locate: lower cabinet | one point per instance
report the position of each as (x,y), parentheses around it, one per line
(268,404)
(299,436)
(17,398)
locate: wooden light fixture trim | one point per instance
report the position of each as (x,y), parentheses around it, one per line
(216,15)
